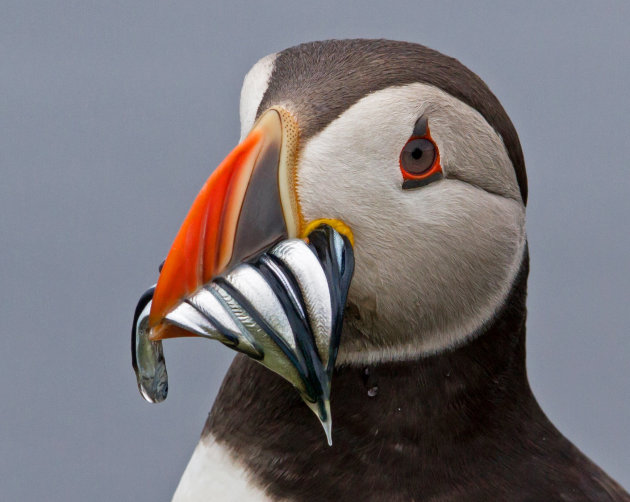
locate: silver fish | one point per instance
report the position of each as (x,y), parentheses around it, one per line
(147,357)
(283,309)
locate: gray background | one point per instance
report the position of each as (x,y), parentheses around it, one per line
(112,114)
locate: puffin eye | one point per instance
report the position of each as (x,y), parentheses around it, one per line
(417,156)
(420,158)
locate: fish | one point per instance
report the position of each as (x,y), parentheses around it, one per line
(284,309)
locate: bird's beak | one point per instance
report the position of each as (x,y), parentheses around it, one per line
(245,206)
(239,272)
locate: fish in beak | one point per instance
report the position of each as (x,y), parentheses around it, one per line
(246,270)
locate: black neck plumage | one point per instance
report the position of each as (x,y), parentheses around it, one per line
(404,422)
(460,425)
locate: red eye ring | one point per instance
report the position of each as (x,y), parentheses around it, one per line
(420,161)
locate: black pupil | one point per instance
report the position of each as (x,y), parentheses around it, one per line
(417,156)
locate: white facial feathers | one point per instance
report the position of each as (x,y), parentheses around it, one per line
(254,87)
(433,264)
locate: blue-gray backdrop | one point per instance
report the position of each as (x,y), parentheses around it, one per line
(112,114)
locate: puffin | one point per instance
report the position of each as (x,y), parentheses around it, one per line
(394,164)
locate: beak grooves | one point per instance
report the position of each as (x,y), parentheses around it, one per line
(204,242)
(247,204)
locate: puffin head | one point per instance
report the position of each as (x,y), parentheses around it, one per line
(404,151)
(413,152)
